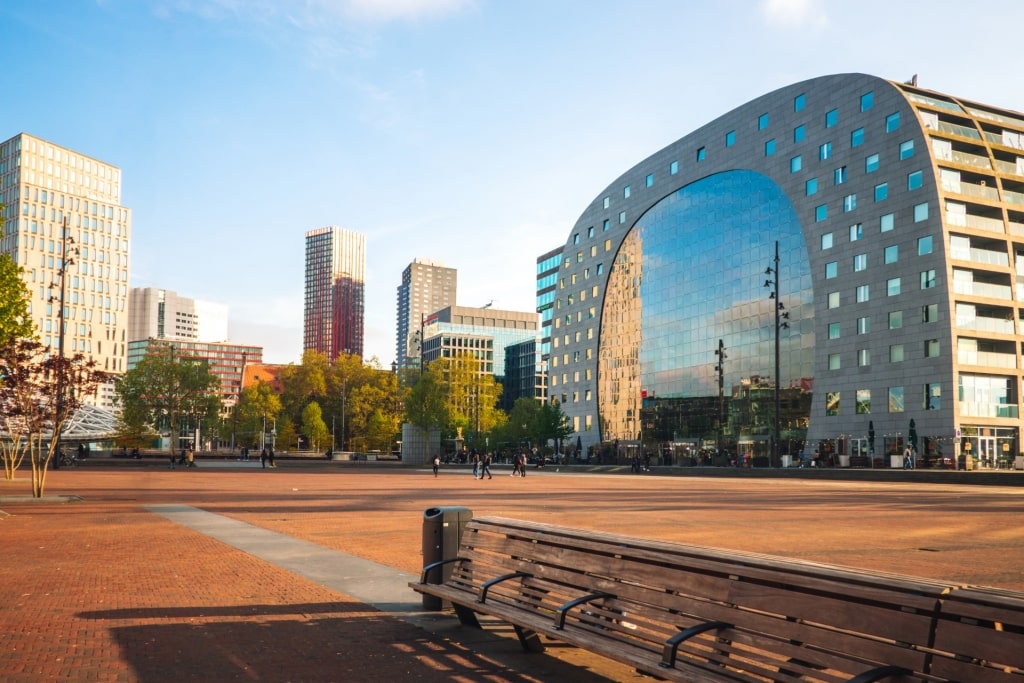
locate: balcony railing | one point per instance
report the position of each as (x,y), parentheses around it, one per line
(982,256)
(990,359)
(971,190)
(974,409)
(983,324)
(972,160)
(982,289)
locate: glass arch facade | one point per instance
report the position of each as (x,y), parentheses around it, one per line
(692,272)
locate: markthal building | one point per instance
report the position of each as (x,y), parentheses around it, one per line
(834,267)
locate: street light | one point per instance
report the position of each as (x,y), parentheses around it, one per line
(65,261)
(781,316)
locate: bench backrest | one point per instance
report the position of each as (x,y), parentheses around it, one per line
(783,618)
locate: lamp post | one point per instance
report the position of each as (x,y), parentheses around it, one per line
(781,316)
(720,368)
(66,259)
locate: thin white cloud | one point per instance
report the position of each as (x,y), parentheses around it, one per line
(399,10)
(310,14)
(795,13)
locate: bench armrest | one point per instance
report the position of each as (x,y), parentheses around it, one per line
(564,609)
(879,673)
(434,565)
(505,577)
(668,657)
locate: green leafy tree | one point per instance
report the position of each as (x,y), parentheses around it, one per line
(287,437)
(15,321)
(168,388)
(257,407)
(313,425)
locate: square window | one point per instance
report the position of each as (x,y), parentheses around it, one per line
(892,253)
(811,186)
(860,262)
(833,361)
(839,176)
(863,357)
(590,231)
(915,180)
(927,279)
(931,348)
(921,212)
(796,163)
(622,217)
(826,241)
(820,212)
(606,224)
(933,396)
(769,147)
(906,149)
(762,121)
(831,270)
(871,163)
(673,168)
(730,138)
(863,325)
(799,102)
(649,181)
(626,192)
(892,122)
(856,232)
(849,203)
(857,137)
(825,151)
(896,353)
(892,286)
(895,399)
(924,245)
(863,293)
(887,222)
(831,118)
(863,401)
(833,330)
(881,192)
(701,154)
(929,313)
(833,299)
(799,133)
(895,320)
(607,202)
(867,100)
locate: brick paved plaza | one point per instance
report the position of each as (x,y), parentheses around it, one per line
(104,588)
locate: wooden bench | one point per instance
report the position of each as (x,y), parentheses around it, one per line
(684,612)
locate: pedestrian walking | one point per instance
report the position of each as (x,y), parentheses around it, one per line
(522,464)
(263,458)
(270,457)
(437,464)
(476,465)
(485,466)
(908,458)
(515,465)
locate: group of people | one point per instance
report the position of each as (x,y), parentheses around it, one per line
(482,465)
(187,458)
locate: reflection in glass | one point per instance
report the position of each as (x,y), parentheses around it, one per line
(690,273)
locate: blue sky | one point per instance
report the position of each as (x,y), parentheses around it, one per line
(470,131)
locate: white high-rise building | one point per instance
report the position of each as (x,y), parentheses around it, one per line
(63,220)
(161,314)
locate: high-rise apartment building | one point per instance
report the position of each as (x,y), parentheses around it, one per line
(335,291)
(161,314)
(65,226)
(427,287)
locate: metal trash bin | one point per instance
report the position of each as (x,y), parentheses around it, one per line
(442,531)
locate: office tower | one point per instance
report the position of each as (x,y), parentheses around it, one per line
(335,282)
(851,244)
(427,287)
(162,314)
(65,226)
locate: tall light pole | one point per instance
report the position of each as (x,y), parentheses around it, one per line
(720,368)
(65,261)
(781,316)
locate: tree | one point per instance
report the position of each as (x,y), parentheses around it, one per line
(15,321)
(313,425)
(39,394)
(257,404)
(168,387)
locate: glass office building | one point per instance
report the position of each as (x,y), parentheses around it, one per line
(832,267)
